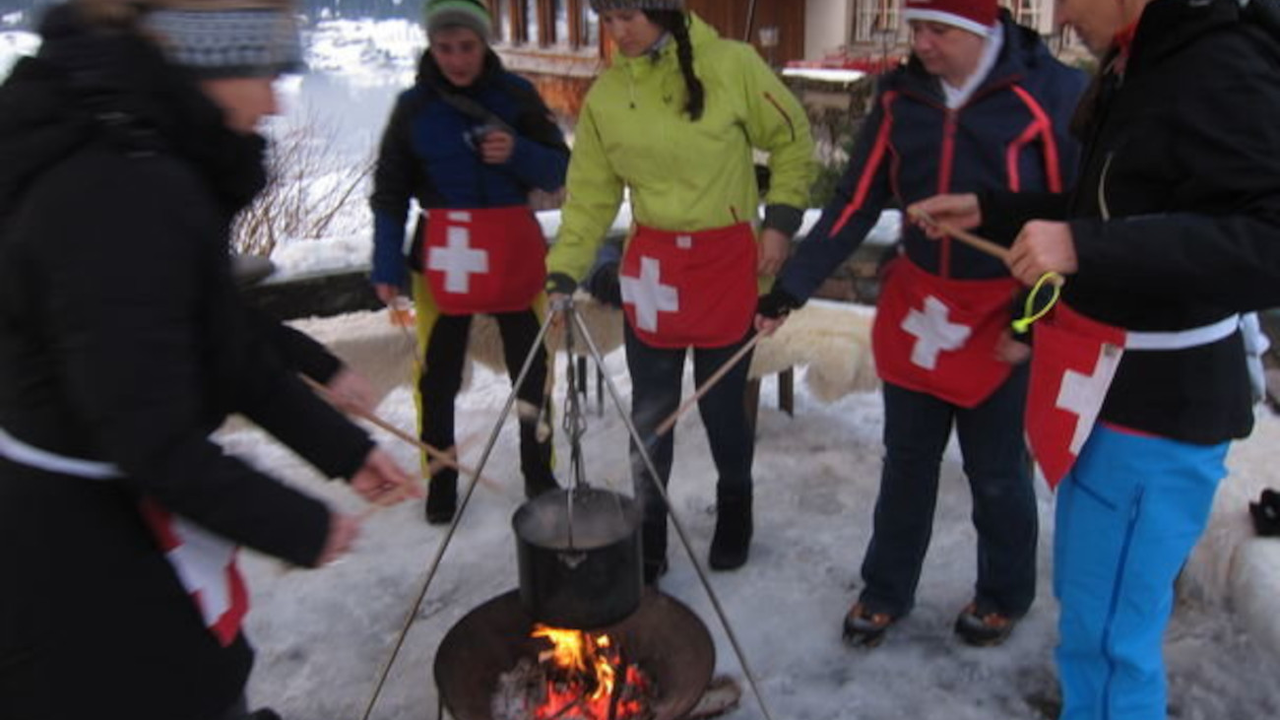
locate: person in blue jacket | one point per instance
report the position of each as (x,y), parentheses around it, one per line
(468,142)
(981,104)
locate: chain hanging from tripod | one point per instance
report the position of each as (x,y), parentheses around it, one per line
(575,421)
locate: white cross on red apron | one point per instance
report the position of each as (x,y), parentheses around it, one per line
(204,563)
(1074,360)
(938,335)
(690,289)
(486,260)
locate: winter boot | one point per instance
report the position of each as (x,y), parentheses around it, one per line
(732,541)
(442,497)
(535,461)
(864,627)
(539,482)
(982,626)
(653,537)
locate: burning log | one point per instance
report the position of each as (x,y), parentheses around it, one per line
(582,676)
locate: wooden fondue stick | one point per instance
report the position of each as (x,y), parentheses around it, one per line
(976,242)
(670,422)
(434,453)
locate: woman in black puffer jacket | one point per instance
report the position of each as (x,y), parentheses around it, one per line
(123,345)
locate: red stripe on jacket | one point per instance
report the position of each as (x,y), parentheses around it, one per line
(1041,126)
(869,169)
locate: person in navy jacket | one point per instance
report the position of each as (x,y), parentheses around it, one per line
(468,142)
(981,104)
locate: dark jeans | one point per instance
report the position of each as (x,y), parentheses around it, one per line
(442,379)
(656,375)
(916,429)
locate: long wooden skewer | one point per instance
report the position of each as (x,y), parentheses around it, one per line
(435,453)
(976,242)
(670,422)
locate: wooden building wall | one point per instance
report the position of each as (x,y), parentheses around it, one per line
(730,18)
(555,45)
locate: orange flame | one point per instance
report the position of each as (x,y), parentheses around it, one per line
(589,661)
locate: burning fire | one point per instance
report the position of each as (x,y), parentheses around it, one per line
(582,678)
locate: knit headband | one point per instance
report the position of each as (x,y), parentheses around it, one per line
(441,14)
(224,43)
(602,5)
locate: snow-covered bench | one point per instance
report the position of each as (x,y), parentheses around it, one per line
(831,339)
(1232,566)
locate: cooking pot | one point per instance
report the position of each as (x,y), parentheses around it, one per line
(579,556)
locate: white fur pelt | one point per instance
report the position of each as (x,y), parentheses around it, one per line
(833,340)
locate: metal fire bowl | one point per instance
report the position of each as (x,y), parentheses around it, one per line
(663,636)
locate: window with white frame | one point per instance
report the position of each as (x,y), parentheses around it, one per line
(552,24)
(875,19)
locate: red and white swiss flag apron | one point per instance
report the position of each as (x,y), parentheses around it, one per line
(1073,362)
(690,289)
(205,564)
(488,260)
(938,335)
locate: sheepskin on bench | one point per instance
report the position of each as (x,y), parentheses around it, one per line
(831,339)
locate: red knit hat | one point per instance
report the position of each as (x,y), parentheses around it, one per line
(976,16)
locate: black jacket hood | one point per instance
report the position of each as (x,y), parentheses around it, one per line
(1169,25)
(90,85)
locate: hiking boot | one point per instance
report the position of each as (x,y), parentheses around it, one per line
(864,627)
(982,626)
(731,543)
(542,482)
(442,497)
(653,541)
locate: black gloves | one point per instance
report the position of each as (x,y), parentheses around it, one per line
(603,284)
(602,280)
(778,303)
(560,283)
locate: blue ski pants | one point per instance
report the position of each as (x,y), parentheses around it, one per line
(1128,514)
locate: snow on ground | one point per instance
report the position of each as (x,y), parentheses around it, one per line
(323,635)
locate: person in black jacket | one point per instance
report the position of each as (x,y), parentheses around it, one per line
(126,146)
(469,142)
(1139,380)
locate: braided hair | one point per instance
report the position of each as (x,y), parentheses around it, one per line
(676,22)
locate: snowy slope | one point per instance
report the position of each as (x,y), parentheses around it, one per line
(323,634)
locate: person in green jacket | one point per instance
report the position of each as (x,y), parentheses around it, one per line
(674,122)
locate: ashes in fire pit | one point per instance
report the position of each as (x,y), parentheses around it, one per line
(581,676)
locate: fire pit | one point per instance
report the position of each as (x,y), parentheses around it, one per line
(663,637)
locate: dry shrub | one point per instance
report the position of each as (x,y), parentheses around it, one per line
(311,183)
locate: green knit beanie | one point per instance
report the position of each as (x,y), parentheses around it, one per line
(470,14)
